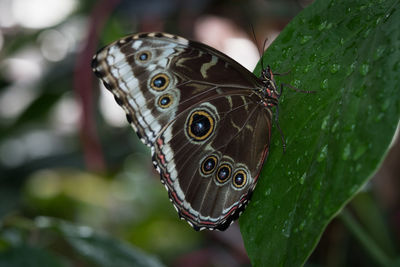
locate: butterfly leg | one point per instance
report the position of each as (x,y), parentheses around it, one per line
(296,89)
(282,74)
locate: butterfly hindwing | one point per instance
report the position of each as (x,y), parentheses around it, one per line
(201,196)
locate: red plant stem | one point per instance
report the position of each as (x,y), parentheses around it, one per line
(83,86)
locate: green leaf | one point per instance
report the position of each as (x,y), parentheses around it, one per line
(26,256)
(98,248)
(349,53)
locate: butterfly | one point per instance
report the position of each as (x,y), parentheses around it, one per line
(206,118)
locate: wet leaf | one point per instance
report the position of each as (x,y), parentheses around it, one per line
(349,53)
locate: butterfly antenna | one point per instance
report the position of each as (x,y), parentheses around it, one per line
(282,74)
(260,52)
(255,38)
(263,49)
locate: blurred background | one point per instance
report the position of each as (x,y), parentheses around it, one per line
(66,150)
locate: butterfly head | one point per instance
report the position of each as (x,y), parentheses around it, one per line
(269,91)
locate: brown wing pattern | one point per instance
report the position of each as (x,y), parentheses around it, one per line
(240,140)
(199,111)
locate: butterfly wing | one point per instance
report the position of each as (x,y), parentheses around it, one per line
(199,111)
(210,180)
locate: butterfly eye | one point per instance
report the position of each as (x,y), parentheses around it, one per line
(143,56)
(200,125)
(223,173)
(239,179)
(165,101)
(159,82)
(209,164)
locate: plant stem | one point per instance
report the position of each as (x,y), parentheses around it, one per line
(372,248)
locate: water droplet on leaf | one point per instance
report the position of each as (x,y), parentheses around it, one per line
(322,25)
(322,155)
(324,84)
(303,178)
(335,68)
(379,52)
(267,192)
(335,126)
(360,150)
(325,122)
(351,68)
(305,39)
(364,69)
(346,152)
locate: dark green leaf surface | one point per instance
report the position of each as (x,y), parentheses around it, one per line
(349,52)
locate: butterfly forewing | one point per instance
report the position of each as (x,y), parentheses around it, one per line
(203,116)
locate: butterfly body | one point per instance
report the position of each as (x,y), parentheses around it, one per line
(206,118)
